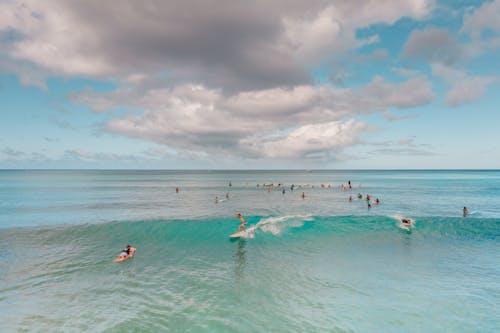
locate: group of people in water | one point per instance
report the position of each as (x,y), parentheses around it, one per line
(129,250)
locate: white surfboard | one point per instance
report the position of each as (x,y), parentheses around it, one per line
(238,234)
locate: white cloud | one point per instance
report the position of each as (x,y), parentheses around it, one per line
(200,119)
(434,46)
(314,141)
(464,88)
(484,18)
(237,47)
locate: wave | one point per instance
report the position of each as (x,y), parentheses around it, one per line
(218,229)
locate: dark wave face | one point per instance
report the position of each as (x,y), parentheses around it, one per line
(288,273)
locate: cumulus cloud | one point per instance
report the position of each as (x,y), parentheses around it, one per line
(484,18)
(464,88)
(212,79)
(237,46)
(197,118)
(314,141)
(433,45)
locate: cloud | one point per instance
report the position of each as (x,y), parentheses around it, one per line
(236,47)
(405,71)
(464,88)
(200,119)
(402,147)
(315,141)
(12,153)
(85,155)
(484,18)
(433,45)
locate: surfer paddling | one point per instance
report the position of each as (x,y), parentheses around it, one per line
(126,253)
(243,222)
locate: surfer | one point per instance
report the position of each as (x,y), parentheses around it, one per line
(466,212)
(243,222)
(126,253)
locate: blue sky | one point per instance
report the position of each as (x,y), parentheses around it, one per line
(285,84)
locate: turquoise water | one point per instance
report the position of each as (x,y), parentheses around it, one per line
(318,264)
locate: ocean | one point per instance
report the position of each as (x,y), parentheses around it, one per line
(315,264)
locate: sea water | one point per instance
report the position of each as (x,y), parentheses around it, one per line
(313,264)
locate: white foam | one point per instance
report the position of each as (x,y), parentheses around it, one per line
(275,225)
(400,224)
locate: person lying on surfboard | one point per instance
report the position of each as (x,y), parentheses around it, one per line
(126,253)
(243,222)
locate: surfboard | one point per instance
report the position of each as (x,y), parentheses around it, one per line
(238,234)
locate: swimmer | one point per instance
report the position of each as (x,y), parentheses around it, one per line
(126,253)
(466,212)
(405,221)
(227,195)
(360,195)
(377,201)
(176,190)
(350,198)
(369,205)
(243,222)
(216,200)
(303,195)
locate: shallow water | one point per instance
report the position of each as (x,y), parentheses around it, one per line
(319,264)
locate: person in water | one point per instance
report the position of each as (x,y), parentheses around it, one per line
(243,222)
(466,212)
(127,251)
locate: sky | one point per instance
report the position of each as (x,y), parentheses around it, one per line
(224,84)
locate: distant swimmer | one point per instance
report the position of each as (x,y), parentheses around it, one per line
(216,200)
(243,222)
(227,195)
(127,252)
(466,212)
(176,190)
(377,201)
(360,196)
(283,191)
(350,198)
(303,195)
(230,184)
(368,197)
